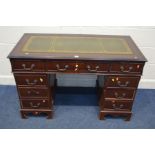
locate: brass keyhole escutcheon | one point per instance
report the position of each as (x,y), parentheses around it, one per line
(113,80)
(76,67)
(41,80)
(36,112)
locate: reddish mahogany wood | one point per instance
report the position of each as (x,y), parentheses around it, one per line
(116,105)
(127,68)
(122,81)
(31,80)
(33,92)
(27,65)
(26,112)
(126,114)
(77,66)
(118,76)
(119,93)
(36,103)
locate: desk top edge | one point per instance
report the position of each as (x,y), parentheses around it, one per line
(15,54)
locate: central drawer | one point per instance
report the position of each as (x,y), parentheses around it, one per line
(34,92)
(77,67)
(119,94)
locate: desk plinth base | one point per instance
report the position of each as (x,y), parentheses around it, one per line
(126,114)
(25,112)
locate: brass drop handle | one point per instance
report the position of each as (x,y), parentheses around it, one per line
(123,85)
(34,106)
(28,69)
(31,83)
(93,70)
(120,97)
(125,71)
(62,69)
(33,91)
(117,107)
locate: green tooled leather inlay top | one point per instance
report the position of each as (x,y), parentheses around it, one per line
(71,44)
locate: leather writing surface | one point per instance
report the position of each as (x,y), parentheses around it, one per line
(71,44)
(77,46)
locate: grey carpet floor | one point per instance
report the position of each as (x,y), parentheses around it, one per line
(76,108)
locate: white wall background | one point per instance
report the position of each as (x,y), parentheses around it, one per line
(144,37)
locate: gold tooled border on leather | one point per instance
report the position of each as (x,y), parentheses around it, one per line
(53,38)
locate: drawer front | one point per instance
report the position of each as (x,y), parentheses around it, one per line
(33,92)
(127,68)
(97,67)
(31,80)
(36,104)
(117,105)
(77,67)
(58,66)
(119,94)
(28,66)
(122,81)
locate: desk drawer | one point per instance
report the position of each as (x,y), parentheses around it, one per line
(27,65)
(31,80)
(119,94)
(34,92)
(97,67)
(77,67)
(127,68)
(117,105)
(122,81)
(62,66)
(36,104)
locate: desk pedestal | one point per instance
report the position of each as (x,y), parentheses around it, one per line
(117,83)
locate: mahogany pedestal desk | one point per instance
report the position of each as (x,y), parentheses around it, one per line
(115,60)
